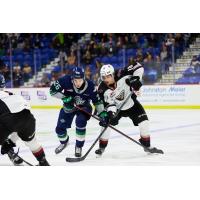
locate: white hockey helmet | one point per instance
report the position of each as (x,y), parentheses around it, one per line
(2,82)
(106,70)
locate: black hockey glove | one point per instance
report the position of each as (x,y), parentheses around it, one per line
(113,120)
(104,119)
(135,83)
(7,146)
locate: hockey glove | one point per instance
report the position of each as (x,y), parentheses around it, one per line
(113,120)
(7,146)
(135,83)
(68,103)
(104,119)
(68,100)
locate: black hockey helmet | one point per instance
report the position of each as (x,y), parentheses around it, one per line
(78,72)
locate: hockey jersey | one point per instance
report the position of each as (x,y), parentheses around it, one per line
(113,99)
(64,87)
(11,103)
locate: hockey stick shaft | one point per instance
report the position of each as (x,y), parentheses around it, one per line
(25,161)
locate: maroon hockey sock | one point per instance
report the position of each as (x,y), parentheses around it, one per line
(145,141)
(103,143)
(39,155)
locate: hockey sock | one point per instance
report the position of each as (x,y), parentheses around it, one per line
(103,143)
(39,154)
(79,143)
(63,137)
(80,136)
(145,141)
(36,149)
(144,133)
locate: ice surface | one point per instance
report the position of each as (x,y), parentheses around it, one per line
(176,132)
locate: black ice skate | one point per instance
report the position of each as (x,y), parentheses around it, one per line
(154,150)
(151,149)
(14,158)
(99,151)
(61,147)
(43,162)
(78,151)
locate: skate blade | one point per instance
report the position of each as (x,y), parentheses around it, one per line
(18,164)
(98,155)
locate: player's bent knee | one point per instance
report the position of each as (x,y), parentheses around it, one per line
(33,144)
(26,136)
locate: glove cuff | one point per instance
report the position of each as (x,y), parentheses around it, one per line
(103,114)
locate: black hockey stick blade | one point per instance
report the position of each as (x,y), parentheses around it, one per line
(75,159)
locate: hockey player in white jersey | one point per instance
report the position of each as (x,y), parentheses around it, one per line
(16,121)
(113,90)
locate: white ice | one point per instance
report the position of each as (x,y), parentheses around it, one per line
(176,132)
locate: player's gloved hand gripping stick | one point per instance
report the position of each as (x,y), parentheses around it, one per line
(85,155)
(68,103)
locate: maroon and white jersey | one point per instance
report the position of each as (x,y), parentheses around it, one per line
(12,103)
(113,98)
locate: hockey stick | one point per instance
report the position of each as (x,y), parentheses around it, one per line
(135,141)
(85,155)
